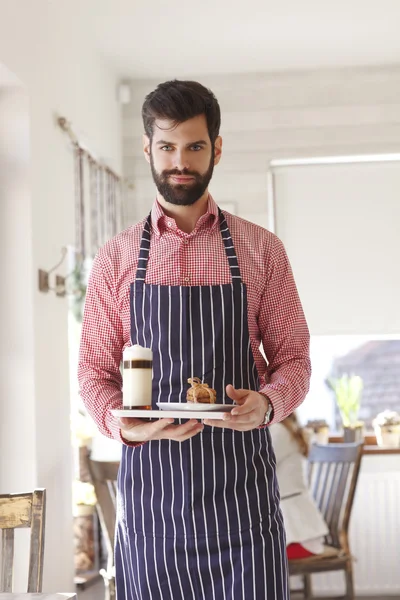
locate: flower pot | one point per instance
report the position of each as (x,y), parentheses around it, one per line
(83,510)
(85,538)
(353,434)
(388,435)
(317,431)
(321,436)
(318,436)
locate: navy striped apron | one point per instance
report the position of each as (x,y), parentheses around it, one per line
(198,519)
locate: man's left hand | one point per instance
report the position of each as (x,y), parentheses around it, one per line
(249,413)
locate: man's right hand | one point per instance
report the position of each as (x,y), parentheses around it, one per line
(137,430)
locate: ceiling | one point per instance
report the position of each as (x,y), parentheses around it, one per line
(157,38)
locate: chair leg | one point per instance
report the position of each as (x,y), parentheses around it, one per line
(107,590)
(109,585)
(349,581)
(307,587)
(112,589)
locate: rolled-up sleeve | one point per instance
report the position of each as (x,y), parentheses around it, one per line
(285,337)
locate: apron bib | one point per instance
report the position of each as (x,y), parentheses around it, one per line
(198,519)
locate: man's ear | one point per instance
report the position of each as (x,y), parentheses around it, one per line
(217,150)
(146,147)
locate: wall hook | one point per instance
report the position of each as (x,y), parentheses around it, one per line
(43,277)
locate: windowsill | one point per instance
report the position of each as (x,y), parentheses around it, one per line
(370,445)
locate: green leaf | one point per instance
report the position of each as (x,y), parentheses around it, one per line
(348,392)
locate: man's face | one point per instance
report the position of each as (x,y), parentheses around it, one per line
(182,159)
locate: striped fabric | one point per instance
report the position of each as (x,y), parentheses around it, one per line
(198,519)
(197,314)
(274,313)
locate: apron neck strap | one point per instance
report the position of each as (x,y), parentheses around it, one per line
(229,248)
(144,251)
(226,238)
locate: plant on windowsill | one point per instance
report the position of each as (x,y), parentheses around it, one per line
(82,432)
(77,286)
(348,391)
(387,429)
(82,429)
(83,498)
(84,530)
(318,431)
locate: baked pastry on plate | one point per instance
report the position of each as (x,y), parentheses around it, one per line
(200,392)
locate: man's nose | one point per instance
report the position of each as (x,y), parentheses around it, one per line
(182,161)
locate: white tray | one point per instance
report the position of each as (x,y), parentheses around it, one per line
(194,406)
(168,414)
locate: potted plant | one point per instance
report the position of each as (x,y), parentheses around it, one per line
(319,431)
(77,286)
(82,432)
(348,391)
(387,429)
(84,504)
(83,498)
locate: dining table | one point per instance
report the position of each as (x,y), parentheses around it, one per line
(41,596)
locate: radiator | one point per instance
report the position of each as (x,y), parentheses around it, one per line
(374,532)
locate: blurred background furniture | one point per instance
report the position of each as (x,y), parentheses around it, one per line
(23,510)
(104,478)
(11,596)
(333,474)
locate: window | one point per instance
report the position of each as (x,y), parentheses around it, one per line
(375,359)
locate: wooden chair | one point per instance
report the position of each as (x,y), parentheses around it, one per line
(16,511)
(104,477)
(333,474)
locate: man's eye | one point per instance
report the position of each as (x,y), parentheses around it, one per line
(166,148)
(196,147)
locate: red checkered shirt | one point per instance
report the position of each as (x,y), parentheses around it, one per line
(275,315)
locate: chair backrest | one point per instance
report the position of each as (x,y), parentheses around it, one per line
(333,474)
(17,511)
(104,478)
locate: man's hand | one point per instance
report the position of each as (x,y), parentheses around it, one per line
(137,430)
(248,415)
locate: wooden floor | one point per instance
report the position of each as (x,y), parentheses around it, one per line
(96,592)
(394,597)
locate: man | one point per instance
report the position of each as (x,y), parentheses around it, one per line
(198,513)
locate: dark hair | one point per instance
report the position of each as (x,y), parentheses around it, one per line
(180,101)
(296,431)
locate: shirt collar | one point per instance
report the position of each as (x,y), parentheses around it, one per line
(160,222)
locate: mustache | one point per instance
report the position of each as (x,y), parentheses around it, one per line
(179,173)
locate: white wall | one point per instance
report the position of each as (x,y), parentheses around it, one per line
(270,116)
(61,74)
(339,224)
(16,299)
(18,468)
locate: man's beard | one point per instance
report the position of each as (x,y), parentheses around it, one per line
(184,194)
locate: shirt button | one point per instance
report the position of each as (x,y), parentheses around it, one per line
(169,223)
(187,279)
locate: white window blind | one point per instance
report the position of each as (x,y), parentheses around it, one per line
(340,224)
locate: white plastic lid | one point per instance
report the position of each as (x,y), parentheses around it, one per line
(137,352)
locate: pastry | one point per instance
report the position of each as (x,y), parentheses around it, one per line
(200,392)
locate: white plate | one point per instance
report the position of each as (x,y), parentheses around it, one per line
(194,406)
(166,414)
